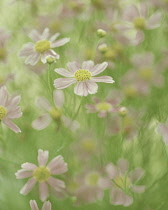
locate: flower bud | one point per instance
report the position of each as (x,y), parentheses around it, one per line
(50,59)
(103,48)
(101,33)
(123,111)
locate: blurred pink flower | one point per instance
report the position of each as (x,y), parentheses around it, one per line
(34,206)
(84,76)
(42,174)
(42,48)
(123,182)
(6,78)
(53,113)
(9,109)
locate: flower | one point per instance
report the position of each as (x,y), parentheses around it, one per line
(9,109)
(42,48)
(4,37)
(123,182)
(42,174)
(46,205)
(86,82)
(53,113)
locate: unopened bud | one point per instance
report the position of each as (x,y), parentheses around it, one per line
(101,33)
(123,111)
(50,59)
(103,48)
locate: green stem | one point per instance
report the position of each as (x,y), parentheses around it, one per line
(77,110)
(49,82)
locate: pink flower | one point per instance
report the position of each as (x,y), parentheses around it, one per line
(84,77)
(42,48)
(123,182)
(42,174)
(9,109)
(46,205)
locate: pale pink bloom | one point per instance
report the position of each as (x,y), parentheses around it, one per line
(136,20)
(42,47)
(43,174)
(83,76)
(53,113)
(163,131)
(9,109)
(34,206)
(103,107)
(123,182)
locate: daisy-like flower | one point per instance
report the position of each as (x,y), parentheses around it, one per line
(9,109)
(42,174)
(123,183)
(42,48)
(83,76)
(34,206)
(53,113)
(136,20)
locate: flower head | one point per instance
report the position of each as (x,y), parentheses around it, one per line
(42,174)
(84,77)
(42,48)
(9,109)
(46,205)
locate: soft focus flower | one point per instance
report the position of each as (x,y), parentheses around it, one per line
(34,206)
(9,109)
(53,113)
(4,36)
(163,130)
(103,107)
(42,48)
(84,76)
(42,174)
(136,20)
(123,182)
(6,78)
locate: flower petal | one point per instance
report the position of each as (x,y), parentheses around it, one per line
(27,50)
(33,59)
(105,79)
(45,34)
(138,189)
(43,104)
(64,72)
(41,122)
(29,166)
(57,184)
(73,66)
(34,35)
(123,165)
(81,89)
(46,205)
(55,36)
(43,191)
(60,42)
(136,174)
(130,13)
(11,125)
(62,83)
(22,173)
(33,205)
(42,157)
(58,97)
(28,186)
(3,95)
(111,171)
(154,21)
(99,68)
(87,65)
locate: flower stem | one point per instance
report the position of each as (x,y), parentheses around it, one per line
(76,114)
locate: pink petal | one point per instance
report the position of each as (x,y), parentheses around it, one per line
(138,189)
(130,13)
(64,72)
(27,50)
(154,21)
(34,35)
(29,166)
(139,38)
(55,36)
(43,104)
(136,174)
(3,95)
(56,184)
(60,42)
(81,89)
(33,205)
(28,186)
(45,34)
(111,171)
(73,66)
(11,125)
(42,122)
(42,157)
(33,59)
(99,68)
(62,83)
(58,97)
(87,65)
(57,165)
(105,79)
(123,165)
(22,173)
(143,10)
(43,191)
(46,205)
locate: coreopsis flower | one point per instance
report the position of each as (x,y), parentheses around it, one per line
(103,107)
(136,20)
(43,174)
(42,48)
(123,182)
(53,113)
(83,76)
(9,109)
(163,131)
(34,206)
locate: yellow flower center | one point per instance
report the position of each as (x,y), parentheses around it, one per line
(41,173)
(92,179)
(42,46)
(82,75)
(130,91)
(122,181)
(139,23)
(88,145)
(55,113)
(104,106)
(146,73)
(3,112)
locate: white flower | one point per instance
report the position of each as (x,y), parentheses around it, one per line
(84,76)
(42,174)
(34,206)
(42,48)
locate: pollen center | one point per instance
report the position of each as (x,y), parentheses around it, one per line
(92,179)
(55,113)
(104,106)
(41,173)
(3,112)
(139,23)
(42,46)
(82,75)
(146,73)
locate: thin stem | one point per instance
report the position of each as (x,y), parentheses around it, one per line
(77,110)
(49,82)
